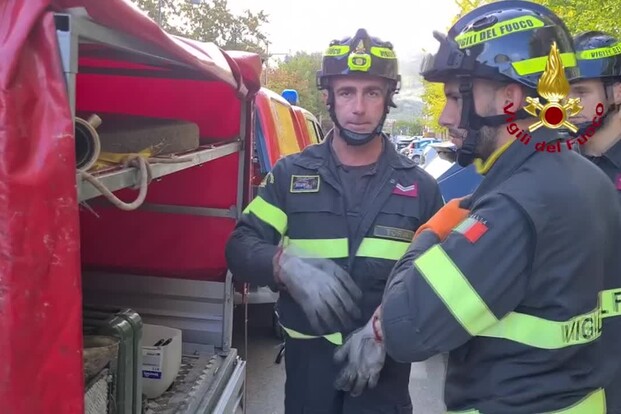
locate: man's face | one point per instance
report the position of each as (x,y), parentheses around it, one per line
(591,92)
(484,102)
(359,101)
(451,114)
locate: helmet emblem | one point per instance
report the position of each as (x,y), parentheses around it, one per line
(554,87)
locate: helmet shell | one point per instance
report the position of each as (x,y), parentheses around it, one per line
(506,41)
(360,54)
(598,54)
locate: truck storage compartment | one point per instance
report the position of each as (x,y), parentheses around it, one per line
(181,228)
(211,378)
(65,58)
(180,231)
(160,260)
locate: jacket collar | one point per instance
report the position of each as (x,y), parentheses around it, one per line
(613,154)
(318,155)
(510,157)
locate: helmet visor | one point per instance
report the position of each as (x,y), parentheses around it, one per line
(447,61)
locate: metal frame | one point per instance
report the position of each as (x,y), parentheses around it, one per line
(204,310)
(191,210)
(71,31)
(233,396)
(127,177)
(228,389)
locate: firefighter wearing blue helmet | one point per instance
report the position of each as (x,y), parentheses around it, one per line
(520,282)
(327,226)
(598,137)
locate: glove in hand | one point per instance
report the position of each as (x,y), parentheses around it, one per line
(326,292)
(364,358)
(446,219)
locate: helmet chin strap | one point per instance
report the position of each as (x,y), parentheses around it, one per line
(584,126)
(472,123)
(354,138)
(350,137)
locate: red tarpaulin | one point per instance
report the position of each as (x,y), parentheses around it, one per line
(40,288)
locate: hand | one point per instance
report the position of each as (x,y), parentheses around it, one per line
(326,292)
(364,354)
(445,219)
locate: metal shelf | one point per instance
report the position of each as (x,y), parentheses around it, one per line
(74,29)
(119,178)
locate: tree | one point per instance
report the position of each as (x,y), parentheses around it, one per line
(433,93)
(209,21)
(578,15)
(299,72)
(413,127)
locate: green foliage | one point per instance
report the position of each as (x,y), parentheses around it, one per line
(413,127)
(209,21)
(578,15)
(298,72)
(583,15)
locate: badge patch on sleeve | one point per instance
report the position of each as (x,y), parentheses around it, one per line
(304,183)
(408,191)
(618,182)
(472,228)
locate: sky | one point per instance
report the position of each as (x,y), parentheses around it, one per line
(310,25)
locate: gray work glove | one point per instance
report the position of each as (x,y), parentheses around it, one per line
(325,291)
(364,356)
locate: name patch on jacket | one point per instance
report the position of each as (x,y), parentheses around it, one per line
(407,191)
(304,183)
(618,182)
(393,233)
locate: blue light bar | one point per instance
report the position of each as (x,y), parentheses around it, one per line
(291,95)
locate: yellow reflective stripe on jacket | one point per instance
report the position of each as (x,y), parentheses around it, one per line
(547,334)
(339,248)
(472,312)
(610,301)
(456,292)
(268,213)
(382,248)
(325,248)
(335,338)
(594,403)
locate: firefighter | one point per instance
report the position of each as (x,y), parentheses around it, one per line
(599,123)
(328,225)
(599,88)
(520,282)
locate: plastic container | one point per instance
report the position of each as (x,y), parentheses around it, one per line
(161,358)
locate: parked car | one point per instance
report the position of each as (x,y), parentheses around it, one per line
(429,154)
(402,141)
(414,150)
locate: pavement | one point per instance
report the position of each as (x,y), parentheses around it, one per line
(265,379)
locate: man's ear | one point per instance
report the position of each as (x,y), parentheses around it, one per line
(512,96)
(324,96)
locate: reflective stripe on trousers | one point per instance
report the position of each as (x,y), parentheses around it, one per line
(335,338)
(594,403)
